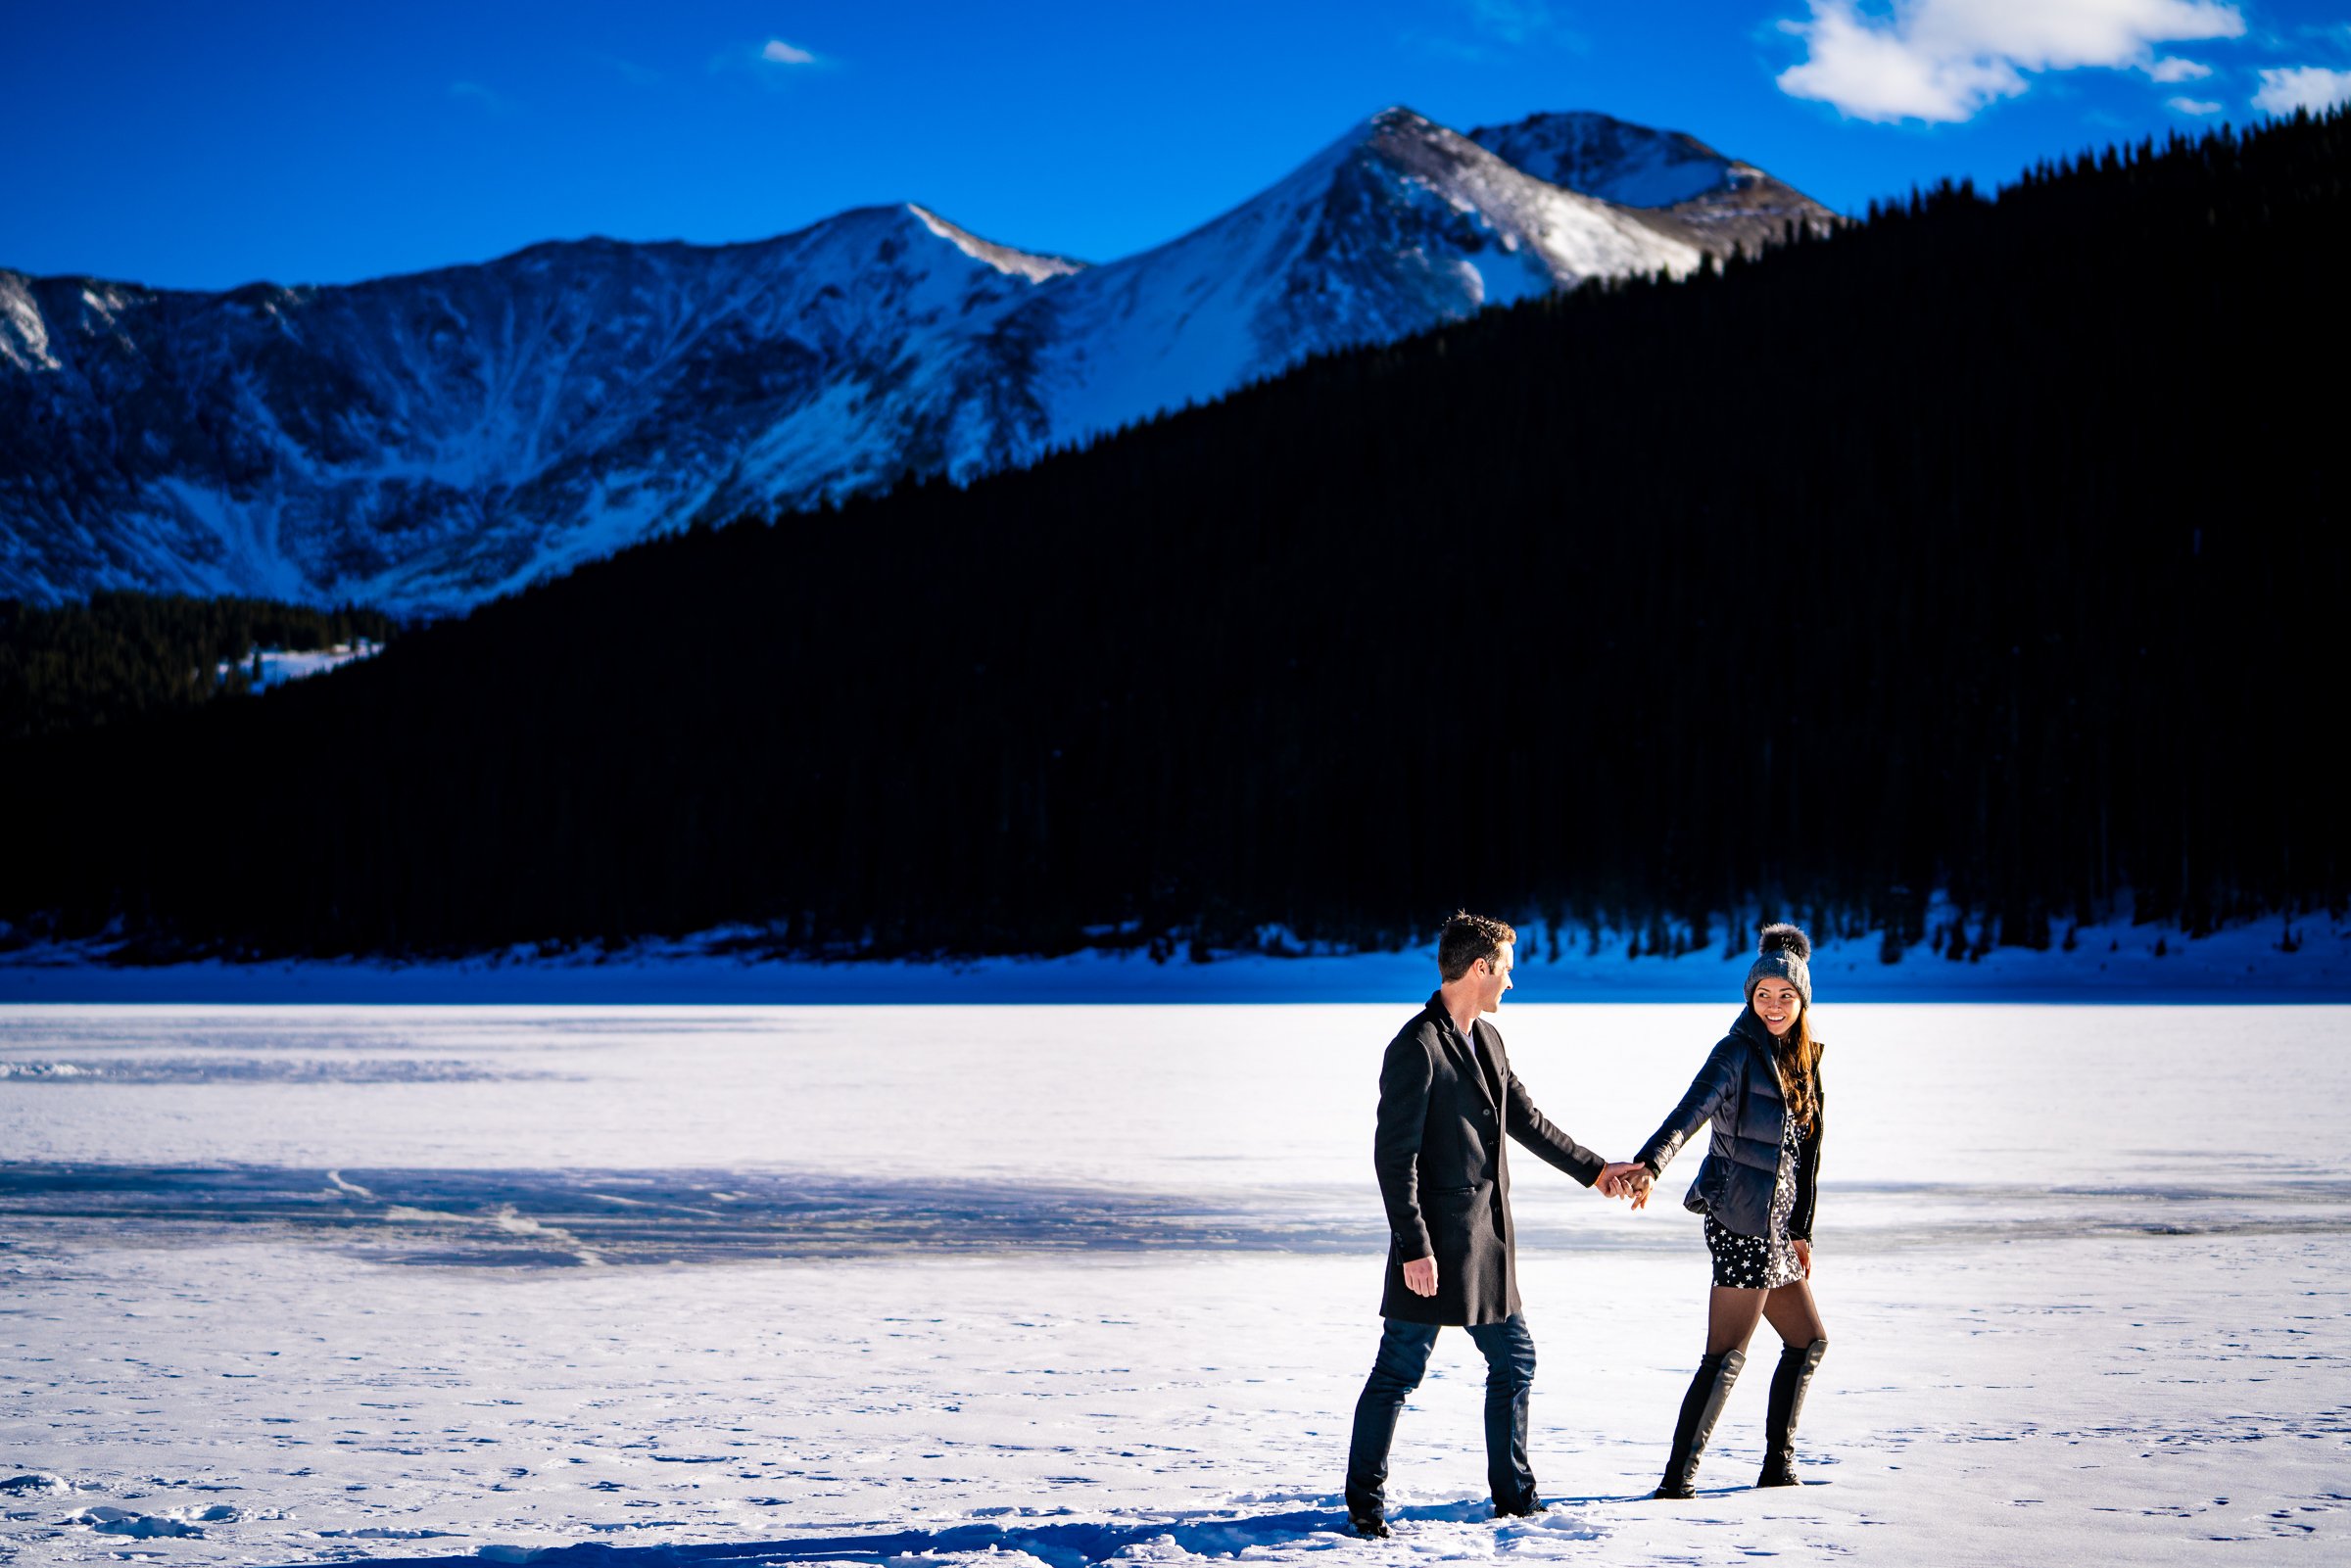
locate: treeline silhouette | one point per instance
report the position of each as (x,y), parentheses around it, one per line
(1991,544)
(119,656)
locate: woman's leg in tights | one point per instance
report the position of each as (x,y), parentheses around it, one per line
(1805,1340)
(1731,1317)
(1791,1313)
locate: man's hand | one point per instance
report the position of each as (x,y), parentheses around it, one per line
(1421,1276)
(1623,1181)
(1804,1255)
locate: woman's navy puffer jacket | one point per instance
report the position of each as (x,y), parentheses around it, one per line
(1738,1091)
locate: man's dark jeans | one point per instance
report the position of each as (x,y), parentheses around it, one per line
(1510,1352)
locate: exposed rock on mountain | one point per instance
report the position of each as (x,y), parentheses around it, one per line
(1679,184)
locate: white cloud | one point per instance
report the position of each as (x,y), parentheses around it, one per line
(1943,60)
(2288,88)
(2173,68)
(775,64)
(2193,106)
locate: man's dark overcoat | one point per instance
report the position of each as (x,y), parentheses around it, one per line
(1444,1175)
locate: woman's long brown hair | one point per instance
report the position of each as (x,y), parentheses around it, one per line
(1798,1056)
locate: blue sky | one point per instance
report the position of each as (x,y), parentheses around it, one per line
(210,145)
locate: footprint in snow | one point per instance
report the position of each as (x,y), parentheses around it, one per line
(186,1523)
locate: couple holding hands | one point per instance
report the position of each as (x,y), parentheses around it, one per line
(1448,1105)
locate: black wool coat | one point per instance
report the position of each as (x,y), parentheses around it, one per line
(1738,1089)
(1444,1174)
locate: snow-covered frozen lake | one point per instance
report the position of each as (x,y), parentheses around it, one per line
(869,1284)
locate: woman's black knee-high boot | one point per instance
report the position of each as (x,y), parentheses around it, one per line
(1699,1408)
(1797,1363)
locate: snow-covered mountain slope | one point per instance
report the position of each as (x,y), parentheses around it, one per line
(426,442)
(423,443)
(1393,228)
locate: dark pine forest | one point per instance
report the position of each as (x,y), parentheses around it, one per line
(117,657)
(1992,545)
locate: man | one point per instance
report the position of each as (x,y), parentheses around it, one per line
(1447,1098)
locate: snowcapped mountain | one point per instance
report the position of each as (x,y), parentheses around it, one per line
(1393,228)
(426,441)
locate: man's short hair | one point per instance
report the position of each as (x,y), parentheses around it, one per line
(1468,938)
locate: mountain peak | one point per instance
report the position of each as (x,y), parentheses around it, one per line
(1397,119)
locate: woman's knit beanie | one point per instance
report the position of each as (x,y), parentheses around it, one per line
(1787,954)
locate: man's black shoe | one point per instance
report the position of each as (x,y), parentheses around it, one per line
(1526,1510)
(1369,1526)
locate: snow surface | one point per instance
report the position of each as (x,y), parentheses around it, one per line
(278,666)
(24,334)
(1003,257)
(1040,1287)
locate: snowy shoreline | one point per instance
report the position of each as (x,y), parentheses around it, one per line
(2119,961)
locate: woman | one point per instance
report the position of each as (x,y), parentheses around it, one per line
(1761,1089)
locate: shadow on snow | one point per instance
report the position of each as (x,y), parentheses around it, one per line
(1073,1545)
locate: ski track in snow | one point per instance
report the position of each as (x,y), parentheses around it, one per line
(1080,1285)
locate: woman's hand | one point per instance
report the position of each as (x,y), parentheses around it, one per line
(1803,1255)
(1617,1180)
(1627,1178)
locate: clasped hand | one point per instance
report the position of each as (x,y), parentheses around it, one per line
(1626,1178)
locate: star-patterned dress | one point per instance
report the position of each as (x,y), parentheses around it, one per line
(1763,1263)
